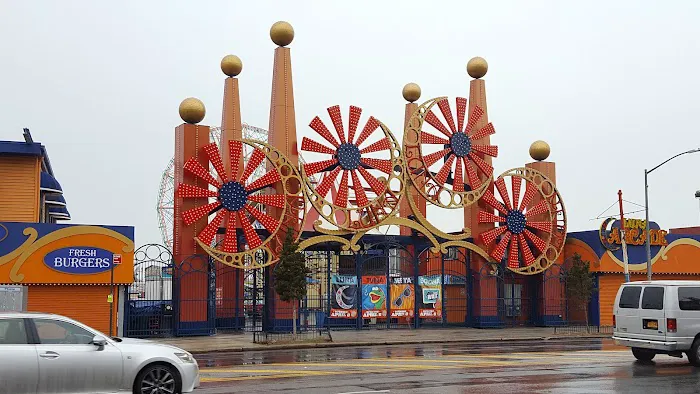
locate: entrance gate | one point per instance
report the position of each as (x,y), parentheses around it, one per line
(443,288)
(148,310)
(383,286)
(386,286)
(195,294)
(553,303)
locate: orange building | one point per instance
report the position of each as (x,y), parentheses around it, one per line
(675,254)
(64,269)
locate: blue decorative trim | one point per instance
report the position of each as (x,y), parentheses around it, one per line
(552,321)
(488,322)
(195,328)
(282,325)
(594,304)
(20,148)
(230,323)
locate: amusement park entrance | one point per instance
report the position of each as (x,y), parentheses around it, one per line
(384,285)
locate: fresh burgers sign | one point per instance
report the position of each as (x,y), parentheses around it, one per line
(80,260)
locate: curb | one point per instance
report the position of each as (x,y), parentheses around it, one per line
(325,345)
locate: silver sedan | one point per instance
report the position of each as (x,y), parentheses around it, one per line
(45,353)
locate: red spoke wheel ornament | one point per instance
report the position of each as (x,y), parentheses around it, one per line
(444,157)
(254,214)
(530,219)
(361,179)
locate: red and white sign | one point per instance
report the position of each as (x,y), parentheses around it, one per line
(116,259)
(429,313)
(344,313)
(401,313)
(370,313)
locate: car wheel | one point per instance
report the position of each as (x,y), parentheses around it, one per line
(694,353)
(157,379)
(643,354)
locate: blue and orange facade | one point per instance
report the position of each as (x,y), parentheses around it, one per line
(66,269)
(675,254)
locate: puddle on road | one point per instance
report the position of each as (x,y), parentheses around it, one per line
(211,360)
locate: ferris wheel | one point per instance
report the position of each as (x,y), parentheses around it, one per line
(166,192)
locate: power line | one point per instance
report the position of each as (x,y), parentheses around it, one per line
(634,203)
(617,215)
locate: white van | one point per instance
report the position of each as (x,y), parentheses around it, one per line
(659,317)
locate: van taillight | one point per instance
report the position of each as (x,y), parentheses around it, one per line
(671,325)
(614,325)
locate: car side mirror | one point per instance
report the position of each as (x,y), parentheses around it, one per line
(99,341)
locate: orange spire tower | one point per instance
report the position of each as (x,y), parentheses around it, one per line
(282,133)
(231,126)
(477,68)
(411,93)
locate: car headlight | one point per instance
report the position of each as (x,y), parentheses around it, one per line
(185,357)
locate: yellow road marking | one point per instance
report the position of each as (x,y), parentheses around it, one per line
(412,360)
(286,373)
(295,374)
(409,363)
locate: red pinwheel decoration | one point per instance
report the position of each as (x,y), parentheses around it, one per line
(523,226)
(460,149)
(365,166)
(239,199)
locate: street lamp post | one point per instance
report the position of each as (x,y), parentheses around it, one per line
(646,204)
(697,195)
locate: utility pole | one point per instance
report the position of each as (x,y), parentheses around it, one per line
(623,231)
(110,298)
(646,205)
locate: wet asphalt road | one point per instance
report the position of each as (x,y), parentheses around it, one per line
(555,366)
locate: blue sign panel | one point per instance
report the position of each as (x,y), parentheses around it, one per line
(79,260)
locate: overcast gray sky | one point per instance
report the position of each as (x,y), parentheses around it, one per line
(612,86)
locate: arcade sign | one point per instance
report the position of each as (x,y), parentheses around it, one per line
(81,260)
(635,233)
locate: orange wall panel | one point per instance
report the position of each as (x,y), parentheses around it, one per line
(86,304)
(19,188)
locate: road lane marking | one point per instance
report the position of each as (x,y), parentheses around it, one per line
(463,362)
(316,373)
(423,360)
(366,392)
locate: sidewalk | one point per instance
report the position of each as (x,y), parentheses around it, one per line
(244,341)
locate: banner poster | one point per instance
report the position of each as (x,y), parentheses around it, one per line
(430,298)
(402,297)
(373,296)
(344,297)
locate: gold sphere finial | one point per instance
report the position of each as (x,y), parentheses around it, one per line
(231,65)
(282,33)
(411,92)
(539,150)
(477,67)
(192,110)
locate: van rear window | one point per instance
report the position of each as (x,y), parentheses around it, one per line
(653,298)
(630,297)
(689,298)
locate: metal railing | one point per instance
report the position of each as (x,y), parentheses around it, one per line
(269,338)
(583,329)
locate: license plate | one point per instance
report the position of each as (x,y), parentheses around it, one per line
(650,324)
